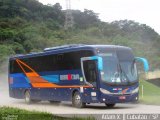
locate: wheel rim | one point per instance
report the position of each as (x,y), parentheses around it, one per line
(27,97)
(77,100)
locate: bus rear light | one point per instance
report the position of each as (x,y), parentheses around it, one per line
(11,80)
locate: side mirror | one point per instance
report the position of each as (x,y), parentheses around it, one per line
(99,60)
(145,63)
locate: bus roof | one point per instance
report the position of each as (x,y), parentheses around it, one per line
(67,48)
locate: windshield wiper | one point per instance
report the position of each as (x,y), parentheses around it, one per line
(122,72)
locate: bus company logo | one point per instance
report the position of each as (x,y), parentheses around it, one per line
(69,77)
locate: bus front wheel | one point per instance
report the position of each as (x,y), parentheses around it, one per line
(77,100)
(110,105)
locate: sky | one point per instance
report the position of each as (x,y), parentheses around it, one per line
(142,11)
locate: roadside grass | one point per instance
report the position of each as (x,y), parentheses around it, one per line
(151,93)
(9,113)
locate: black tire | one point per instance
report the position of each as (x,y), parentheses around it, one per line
(110,105)
(27,97)
(54,102)
(77,100)
(35,101)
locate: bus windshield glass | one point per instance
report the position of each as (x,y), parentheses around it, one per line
(118,68)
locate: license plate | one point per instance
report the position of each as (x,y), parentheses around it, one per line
(122,97)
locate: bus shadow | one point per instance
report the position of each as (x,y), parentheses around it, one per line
(102,107)
(67,104)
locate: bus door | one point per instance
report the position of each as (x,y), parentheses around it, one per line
(90,74)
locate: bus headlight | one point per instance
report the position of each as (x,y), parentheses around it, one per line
(135,90)
(105,91)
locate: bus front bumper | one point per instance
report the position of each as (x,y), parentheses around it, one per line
(110,99)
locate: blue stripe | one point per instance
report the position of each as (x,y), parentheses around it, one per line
(51,78)
(20,80)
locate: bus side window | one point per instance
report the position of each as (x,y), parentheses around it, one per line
(11,69)
(15,68)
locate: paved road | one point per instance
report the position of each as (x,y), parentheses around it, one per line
(66,108)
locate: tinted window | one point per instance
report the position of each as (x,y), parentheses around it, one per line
(14,67)
(90,71)
(125,55)
(64,61)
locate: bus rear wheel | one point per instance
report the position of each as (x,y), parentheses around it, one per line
(27,97)
(110,105)
(77,100)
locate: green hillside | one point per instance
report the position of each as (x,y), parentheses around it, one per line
(28,26)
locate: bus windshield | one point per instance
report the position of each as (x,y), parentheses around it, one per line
(117,71)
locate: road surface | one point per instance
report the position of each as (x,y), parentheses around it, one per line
(66,107)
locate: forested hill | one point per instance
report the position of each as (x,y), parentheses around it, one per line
(28,25)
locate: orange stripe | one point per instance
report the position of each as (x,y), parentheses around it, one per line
(38,82)
(20,66)
(124,91)
(31,74)
(50,85)
(26,65)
